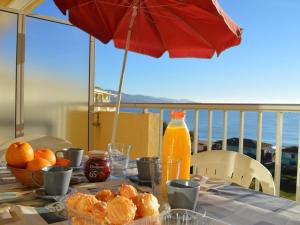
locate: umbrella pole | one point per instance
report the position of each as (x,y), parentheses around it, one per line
(116,117)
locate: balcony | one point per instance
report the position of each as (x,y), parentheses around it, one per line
(278,157)
(37,102)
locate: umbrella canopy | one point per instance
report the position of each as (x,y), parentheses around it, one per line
(183,28)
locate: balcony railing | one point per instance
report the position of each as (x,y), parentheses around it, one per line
(279,109)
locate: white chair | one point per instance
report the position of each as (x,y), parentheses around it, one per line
(37,141)
(233,167)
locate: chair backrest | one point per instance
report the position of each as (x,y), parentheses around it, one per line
(37,141)
(233,167)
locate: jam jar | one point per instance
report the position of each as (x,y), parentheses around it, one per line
(97,167)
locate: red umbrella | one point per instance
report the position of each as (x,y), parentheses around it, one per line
(184,28)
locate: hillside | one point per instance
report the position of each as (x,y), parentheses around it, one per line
(131,98)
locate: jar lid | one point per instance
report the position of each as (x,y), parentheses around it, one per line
(98,153)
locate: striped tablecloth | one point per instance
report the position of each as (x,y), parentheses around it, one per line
(239,206)
(228,203)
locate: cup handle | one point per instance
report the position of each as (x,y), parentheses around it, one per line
(33,178)
(57,152)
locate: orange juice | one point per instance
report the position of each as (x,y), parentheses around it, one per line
(176,146)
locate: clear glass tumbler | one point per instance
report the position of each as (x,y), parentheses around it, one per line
(118,157)
(184,217)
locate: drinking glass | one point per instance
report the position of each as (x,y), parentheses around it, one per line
(118,157)
(160,173)
(184,217)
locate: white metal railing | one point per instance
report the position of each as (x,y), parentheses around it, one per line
(242,108)
(259,139)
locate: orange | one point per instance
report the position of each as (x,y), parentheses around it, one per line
(62,162)
(19,154)
(37,164)
(45,153)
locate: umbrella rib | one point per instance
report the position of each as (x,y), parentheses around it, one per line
(103,2)
(164,5)
(222,16)
(216,17)
(208,44)
(159,15)
(150,18)
(117,28)
(101,14)
(109,3)
(225,18)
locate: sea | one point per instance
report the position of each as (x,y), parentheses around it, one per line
(290,125)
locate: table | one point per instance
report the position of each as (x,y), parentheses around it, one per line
(226,202)
(236,205)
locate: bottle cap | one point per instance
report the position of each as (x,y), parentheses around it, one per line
(98,153)
(177,115)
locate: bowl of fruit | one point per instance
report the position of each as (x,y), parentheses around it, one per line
(22,159)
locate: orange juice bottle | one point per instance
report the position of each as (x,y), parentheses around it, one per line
(176,146)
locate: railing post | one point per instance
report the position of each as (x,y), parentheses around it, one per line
(19,89)
(278,152)
(209,131)
(196,121)
(224,139)
(298,166)
(258,144)
(241,140)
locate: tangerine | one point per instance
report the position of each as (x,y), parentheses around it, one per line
(62,162)
(38,164)
(45,153)
(19,154)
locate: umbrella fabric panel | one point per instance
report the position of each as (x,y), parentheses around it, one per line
(187,28)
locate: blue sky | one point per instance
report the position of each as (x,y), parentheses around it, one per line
(264,68)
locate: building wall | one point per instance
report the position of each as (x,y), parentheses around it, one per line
(139,130)
(289,159)
(77,127)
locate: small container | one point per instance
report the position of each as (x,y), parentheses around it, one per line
(97,167)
